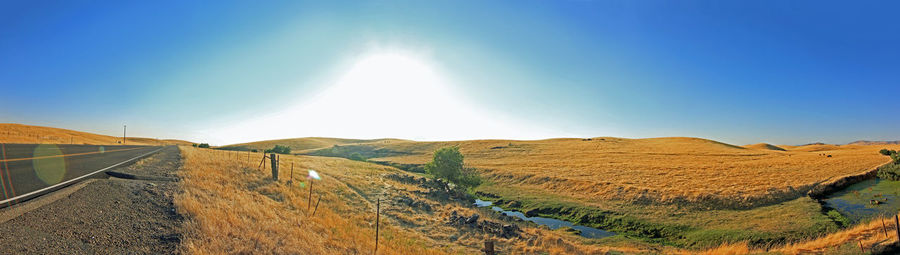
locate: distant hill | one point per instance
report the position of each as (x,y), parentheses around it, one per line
(764,146)
(864,142)
(18,133)
(305,143)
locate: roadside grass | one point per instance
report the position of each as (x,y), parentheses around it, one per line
(233,208)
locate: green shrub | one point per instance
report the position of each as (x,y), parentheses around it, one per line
(195,145)
(254,150)
(279,149)
(447,164)
(889,172)
(886,152)
(356,156)
(203,145)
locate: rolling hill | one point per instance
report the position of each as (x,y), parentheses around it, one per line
(305,143)
(19,133)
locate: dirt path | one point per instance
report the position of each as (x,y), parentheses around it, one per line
(105,216)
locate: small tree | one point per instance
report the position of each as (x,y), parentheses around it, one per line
(203,145)
(886,152)
(446,164)
(195,145)
(280,149)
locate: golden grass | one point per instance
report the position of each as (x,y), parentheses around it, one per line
(232,208)
(877,232)
(18,133)
(662,170)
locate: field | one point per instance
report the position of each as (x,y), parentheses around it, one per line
(687,192)
(660,195)
(18,133)
(231,206)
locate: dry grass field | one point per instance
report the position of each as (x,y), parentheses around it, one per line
(18,133)
(686,171)
(231,206)
(687,192)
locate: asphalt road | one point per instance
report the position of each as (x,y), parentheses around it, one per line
(29,170)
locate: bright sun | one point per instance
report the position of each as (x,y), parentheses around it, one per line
(383,95)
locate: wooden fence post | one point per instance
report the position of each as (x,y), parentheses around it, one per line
(377,218)
(309,201)
(488,248)
(317,205)
(884,228)
(274,166)
(292,173)
(897,223)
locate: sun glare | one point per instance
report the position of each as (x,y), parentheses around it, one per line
(395,95)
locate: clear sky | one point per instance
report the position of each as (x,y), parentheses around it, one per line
(784,72)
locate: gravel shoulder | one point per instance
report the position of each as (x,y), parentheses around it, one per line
(106,216)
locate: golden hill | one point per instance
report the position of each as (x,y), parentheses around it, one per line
(764,146)
(18,133)
(306,143)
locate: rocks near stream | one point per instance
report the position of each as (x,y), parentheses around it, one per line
(486,226)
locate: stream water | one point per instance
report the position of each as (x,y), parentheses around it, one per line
(866,199)
(588,232)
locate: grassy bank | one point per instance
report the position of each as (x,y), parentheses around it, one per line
(773,225)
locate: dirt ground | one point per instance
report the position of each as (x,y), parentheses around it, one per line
(105,216)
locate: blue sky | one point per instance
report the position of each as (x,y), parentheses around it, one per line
(784,72)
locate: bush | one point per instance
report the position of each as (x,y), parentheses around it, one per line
(889,172)
(886,152)
(254,150)
(356,156)
(447,164)
(203,145)
(195,145)
(279,149)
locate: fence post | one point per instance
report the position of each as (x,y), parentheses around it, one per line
(309,201)
(883,227)
(897,223)
(317,205)
(488,248)
(274,166)
(377,218)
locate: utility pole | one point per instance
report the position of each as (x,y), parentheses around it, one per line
(124,128)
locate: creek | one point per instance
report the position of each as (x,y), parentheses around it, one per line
(584,231)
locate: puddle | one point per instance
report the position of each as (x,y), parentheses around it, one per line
(588,232)
(856,201)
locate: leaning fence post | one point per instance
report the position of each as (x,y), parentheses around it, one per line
(274,166)
(883,227)
(317,205)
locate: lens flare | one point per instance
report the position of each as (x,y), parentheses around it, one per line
(48,165)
